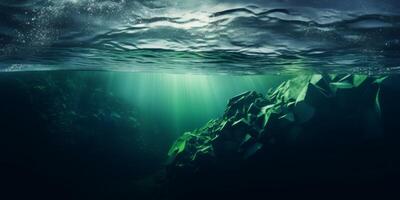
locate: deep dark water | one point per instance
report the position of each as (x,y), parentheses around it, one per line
(64,135)
(67,137)
(74,135)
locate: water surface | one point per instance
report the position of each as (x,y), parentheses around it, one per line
(225,36)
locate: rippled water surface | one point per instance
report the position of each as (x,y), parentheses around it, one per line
(225,36)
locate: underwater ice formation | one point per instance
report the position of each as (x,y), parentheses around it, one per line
(308,131)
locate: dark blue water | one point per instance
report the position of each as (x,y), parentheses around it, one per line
(225,36)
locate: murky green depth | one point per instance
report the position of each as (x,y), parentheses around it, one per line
(67,130)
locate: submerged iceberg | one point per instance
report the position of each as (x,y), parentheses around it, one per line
(312,130)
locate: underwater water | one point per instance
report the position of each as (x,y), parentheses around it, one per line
(90,134)
(213,99)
